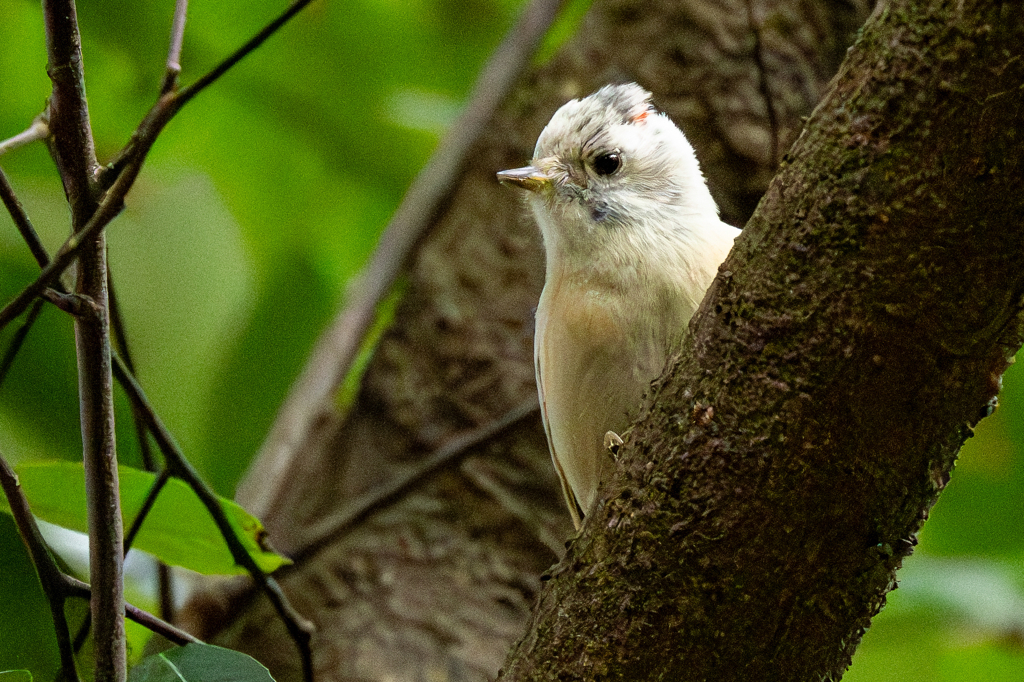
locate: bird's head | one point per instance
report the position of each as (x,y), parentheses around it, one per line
(608,162)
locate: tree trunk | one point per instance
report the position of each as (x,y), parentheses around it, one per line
(854,336)
(439,584)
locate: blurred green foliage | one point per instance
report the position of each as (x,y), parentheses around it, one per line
(958,614)
(259,202)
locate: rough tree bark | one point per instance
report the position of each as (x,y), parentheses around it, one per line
(440,584)
(857,332)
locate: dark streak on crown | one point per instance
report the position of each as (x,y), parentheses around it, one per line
(628,100)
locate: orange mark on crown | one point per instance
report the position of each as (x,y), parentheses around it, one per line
(642,116)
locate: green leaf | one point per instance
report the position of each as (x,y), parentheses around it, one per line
(15,676)
(178,530)
(27,640)
(199,663)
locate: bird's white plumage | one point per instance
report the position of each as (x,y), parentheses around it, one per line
(629,256)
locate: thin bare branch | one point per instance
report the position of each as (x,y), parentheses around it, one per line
(174,50)
(298,627)
(170,102)
(477,472)
(330,528)
(58,295)
(238,55)
(108,209)
(76,588)
(35,245)
(129,538)
(19,340)
(142,435)
(21,220)
(337,348)
(119,175)
(73,587)
(106,531)
(121,343)
(74,152)
(72,304)
(51,578)
(39,130)
(73,147)
(452,452)
(147,506)
(160,626)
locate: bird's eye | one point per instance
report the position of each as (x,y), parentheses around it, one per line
(607,163)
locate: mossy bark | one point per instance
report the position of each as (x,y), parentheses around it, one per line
(852,339)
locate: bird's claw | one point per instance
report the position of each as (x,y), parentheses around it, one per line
(613,443)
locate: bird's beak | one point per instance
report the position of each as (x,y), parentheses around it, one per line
(528,178)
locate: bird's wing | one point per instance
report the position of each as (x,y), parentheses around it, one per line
(538,365)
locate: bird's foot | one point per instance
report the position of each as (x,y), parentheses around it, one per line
(613,443)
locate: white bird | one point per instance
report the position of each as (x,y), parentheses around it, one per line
(632,240)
